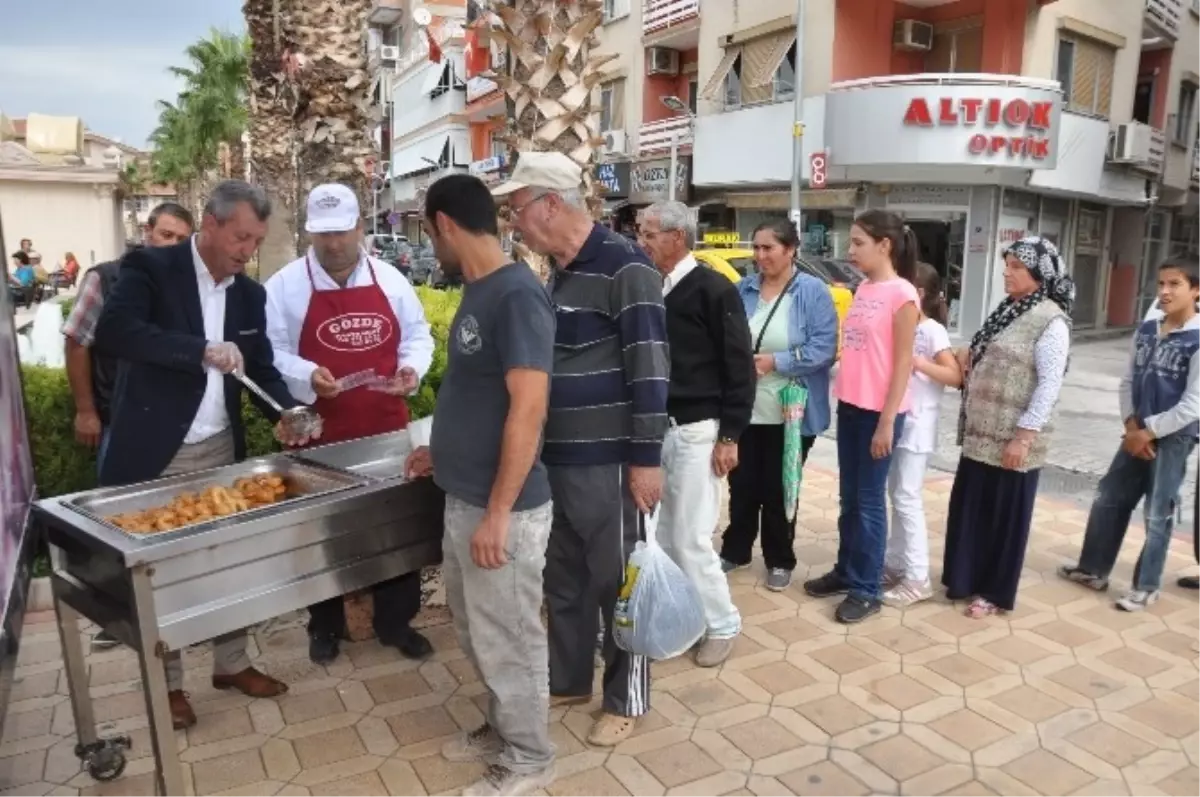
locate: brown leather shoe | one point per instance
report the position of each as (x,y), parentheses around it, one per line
(251,683)
(182,715)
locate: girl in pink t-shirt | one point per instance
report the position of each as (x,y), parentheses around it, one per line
(872,394)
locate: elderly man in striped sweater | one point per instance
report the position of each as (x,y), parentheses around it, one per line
(604,433)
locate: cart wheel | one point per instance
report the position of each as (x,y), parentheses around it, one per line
(106,764)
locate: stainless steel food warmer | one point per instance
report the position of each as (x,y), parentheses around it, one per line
(349,520)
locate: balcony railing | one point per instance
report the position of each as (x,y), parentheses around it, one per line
(657,136)
(1165,17)
(660,14)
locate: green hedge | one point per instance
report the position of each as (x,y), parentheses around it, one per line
(63,466)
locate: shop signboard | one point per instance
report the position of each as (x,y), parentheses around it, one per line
(486,165)
(648,180)
(1012,122)
(615,179)
(721,238)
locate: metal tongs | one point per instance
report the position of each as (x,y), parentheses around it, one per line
(299,421)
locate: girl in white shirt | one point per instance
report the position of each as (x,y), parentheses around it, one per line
(906,565)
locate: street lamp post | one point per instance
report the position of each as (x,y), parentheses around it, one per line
(797,213)
(680,108)
(378,180)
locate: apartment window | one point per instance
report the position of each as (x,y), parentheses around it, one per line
(1185,118)
(732,96)
(783,84)
(693,94)
(957,47)
(612,106)
(615,9)
(1084,68)
(499,147)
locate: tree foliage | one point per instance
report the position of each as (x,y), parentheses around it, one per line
(209,112)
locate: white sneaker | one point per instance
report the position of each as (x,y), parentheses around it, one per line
(502,780)
(1137,600)
(481,743)
(906,593)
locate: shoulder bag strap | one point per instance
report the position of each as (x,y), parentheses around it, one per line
(774,307)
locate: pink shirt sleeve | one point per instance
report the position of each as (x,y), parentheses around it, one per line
(904,293)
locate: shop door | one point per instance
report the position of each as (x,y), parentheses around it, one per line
(1089,249)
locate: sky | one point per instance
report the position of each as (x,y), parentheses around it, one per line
(104,61)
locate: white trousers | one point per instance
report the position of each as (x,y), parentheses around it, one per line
(688,516)
(908,542)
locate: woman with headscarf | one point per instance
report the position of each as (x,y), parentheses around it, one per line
(1014,371)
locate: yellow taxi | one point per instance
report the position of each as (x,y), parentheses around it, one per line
(734,259)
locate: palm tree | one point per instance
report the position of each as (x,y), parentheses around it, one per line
(309,107)
(550,80)
(273,100)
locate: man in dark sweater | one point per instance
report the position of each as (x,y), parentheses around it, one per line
(604,431)
(710,401)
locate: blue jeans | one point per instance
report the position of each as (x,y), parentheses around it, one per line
(1128,480)
(862,481)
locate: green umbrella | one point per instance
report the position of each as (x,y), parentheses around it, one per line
(793,397)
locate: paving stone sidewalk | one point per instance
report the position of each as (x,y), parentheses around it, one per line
(1064,696)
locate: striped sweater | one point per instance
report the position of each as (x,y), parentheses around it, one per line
(608,397)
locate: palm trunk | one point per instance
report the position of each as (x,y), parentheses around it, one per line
(549,85)
(271,126)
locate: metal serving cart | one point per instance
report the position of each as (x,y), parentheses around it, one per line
(349,520)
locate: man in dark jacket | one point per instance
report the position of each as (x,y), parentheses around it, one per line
(181,319)
(92,375)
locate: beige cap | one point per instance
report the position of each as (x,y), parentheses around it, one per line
(552,170)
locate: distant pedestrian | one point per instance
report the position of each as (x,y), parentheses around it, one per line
(604,433)
(794,329)
(1160,402)
(1014,371)
(906,564)
(710,402)
(873,397)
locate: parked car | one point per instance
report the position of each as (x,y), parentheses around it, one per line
(423,265)
(440,279)
(736,263)
(393,249)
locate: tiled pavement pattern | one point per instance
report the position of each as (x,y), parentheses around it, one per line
(1065,696)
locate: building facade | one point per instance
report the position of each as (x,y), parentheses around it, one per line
(979,121)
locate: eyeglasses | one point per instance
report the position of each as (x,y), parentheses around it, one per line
(515,210)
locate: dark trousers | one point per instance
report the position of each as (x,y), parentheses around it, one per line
(756,499)
(862,484)
(396,603)
(595,527)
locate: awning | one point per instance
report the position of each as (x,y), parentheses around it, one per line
(717,80)
(434,77)
(773,52)
(412,158)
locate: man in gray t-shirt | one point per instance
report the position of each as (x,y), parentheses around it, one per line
(487,436)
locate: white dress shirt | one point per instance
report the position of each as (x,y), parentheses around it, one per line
(288,295)
(212,418)
(681,270)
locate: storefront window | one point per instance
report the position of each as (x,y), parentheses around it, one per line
(827,233)
(1052,224)
(1089,245)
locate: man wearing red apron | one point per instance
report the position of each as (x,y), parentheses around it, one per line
(332,314)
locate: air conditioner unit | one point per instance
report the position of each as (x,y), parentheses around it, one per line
(615,142)
(912,35)
(389,53)
(1130,143)
(662,61)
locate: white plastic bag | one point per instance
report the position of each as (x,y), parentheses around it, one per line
(658,612)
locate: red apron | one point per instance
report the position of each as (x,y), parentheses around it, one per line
(348,330)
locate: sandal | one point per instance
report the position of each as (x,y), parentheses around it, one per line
(982,607)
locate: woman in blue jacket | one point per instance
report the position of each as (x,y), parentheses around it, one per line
(794,327)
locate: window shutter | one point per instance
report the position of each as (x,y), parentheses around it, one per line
(1083,79)
(717,81)
(618,105)
(620,8)
(968,50)
(773,50)
(1105,66)
(937,60)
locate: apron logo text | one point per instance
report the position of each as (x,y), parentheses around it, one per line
(354,332)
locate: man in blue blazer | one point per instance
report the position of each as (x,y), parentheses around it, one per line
(181,319)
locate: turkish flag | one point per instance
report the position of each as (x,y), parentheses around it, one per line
(435,49)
